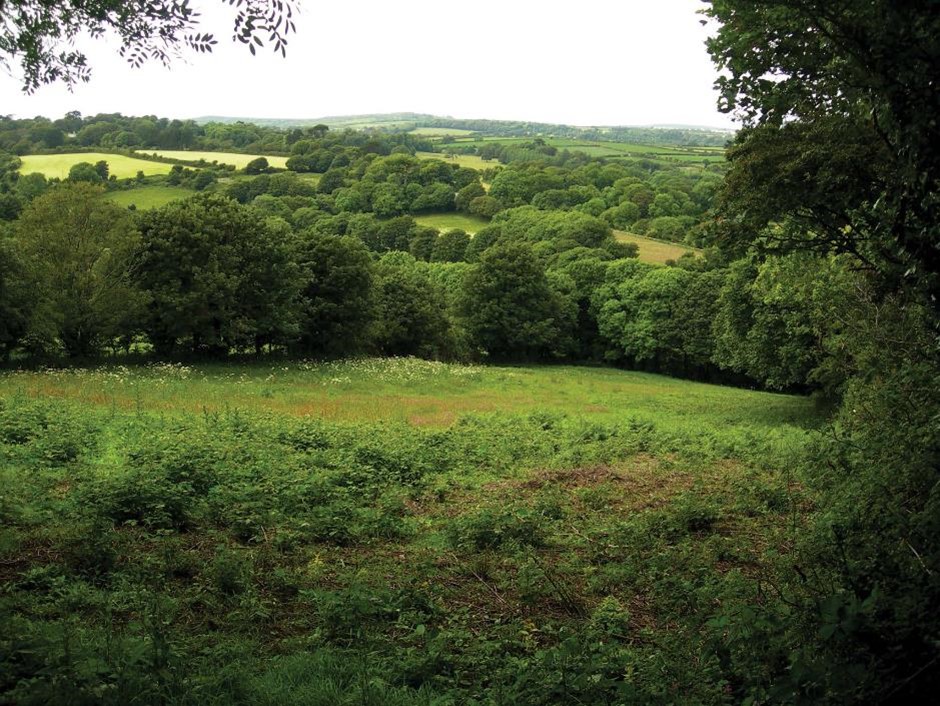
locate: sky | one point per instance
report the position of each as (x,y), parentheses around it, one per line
(591,62)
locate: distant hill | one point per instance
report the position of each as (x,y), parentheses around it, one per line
(693,136)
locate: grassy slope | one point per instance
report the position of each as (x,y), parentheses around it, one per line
(414,391)
(581,517)
(234,158)
(652,250)
(58,165)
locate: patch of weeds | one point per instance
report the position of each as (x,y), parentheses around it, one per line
(492,528)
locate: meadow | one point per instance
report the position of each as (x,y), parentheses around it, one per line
(150,196)
(471,161)
(58,165)
(653,250)
(383,531)
(236,159)
(440,131)
(407,390)
(450,221)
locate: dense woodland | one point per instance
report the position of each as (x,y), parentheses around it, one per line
(340,267)
(820,275)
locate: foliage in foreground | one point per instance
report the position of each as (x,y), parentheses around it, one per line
(508,558)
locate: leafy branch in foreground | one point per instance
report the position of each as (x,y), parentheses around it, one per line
(38,35)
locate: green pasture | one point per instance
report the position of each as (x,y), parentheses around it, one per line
(151,196)
(464,160)
(58,165)
(440,131)
(652,250)
(451,221)
(236,159)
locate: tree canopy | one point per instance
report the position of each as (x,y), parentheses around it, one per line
(39,35)
(859,80)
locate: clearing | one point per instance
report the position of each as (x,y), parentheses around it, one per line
(451,221)
(464,160)
(652,250)
(146,197)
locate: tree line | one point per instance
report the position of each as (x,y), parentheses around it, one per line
(114,131)
(210,276)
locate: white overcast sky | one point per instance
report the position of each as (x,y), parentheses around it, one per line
(590,62)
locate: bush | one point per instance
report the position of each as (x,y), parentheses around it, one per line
(492,529)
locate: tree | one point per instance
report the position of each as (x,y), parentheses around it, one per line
(259,165)
(204,179)
(866,70)
(434,197)
(29,186)
(39,35)
(587,269)
(622,216)
(841,153)
(450,246)
(758,336)
(466,195)
(421,242)
(337,301)
(530,224)
(86,172)
(219,276)
(80,252)
(411,316)
(641,316)
(10,207)
(509,308)
(484,238)
(50,136)
(331,180)
(485,206)
(16,297)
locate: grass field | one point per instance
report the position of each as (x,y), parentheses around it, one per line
(409,390)
(382,532)
(652,250)
(464,160)
(440,131)
(236,159)
(450,221)
(58,165)
(617,150)
(146,197)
